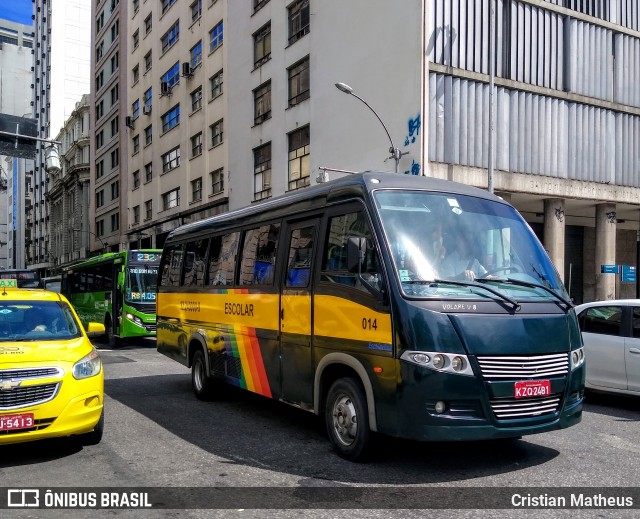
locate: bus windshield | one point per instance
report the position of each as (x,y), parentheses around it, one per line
(141,284)
(446,245)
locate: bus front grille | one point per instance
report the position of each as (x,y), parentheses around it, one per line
(27,396)
(514,408)
(520,367)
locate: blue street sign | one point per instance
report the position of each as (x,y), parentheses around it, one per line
(629,273)
(609,269)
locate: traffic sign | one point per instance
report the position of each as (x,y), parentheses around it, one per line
(609,269)
(629,273)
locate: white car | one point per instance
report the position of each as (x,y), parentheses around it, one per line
(611,334)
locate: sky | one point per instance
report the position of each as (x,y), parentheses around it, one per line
(17,11)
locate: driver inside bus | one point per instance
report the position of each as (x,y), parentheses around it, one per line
(462,263)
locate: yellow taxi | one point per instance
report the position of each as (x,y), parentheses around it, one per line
(51,377)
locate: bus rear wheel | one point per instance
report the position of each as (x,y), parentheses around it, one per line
(201,383)
(347,419)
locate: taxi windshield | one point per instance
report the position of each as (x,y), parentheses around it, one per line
(452,245)
(37,321)
(141,284)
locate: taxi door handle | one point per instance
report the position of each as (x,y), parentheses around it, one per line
(634,350)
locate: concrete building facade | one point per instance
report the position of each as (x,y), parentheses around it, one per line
(61,78)
(16,77)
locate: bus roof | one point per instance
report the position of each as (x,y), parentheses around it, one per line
(316,196)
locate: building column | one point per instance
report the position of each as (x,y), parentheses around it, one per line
(605,251)
(554,232)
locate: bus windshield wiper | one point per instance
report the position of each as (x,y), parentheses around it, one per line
(530,285)
(513,302)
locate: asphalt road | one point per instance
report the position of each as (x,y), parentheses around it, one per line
(158,435)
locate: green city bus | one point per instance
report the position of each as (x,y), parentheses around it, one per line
(409,306)
(117,289)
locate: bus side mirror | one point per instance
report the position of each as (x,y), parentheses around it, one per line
(356,250)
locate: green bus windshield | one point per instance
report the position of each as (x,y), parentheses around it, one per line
(141,282)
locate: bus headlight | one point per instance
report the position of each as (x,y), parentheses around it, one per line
(439,361)
(87,366)
(577,358)
(134,319)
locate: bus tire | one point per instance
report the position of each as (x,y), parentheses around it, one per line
(347,419)
(201,383)
(95,436)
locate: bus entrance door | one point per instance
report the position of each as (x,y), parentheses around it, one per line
(295,315)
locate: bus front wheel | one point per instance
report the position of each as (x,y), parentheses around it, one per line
(347,419)
(201,383)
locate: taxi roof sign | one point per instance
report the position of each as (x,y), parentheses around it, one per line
(8,283)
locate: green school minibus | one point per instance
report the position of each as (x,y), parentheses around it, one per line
(408,306)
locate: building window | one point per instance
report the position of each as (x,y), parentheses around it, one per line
(115,30)
(136,179)
(115,222)
(196,10)
(115,188)
(99,51)
(148,135)
(216,133)
(99,227)
(196,54)
(99,110)
(262,45)
(100,198)
(299,168)
(148,210)
(114,126)
(262,103)
(262,172)
(147,61)
(215,82)
(196,99)
(258,4)
(136,214)
(171,76)
(136,6)
(196,190)
(217,181)
(171,199)
(298,20)
(99,139)
(136,74)
(166,4)
(170,37)
(100,80)
(135,109)
(114,63)
(100,169)
(171,160)
(171,119)
(114,95)
(100,22)
(148,97)
(136,38)
(215,37)
(147,24)
(299,82)
(148,173)
(135,143)
(115,158)
(196,145)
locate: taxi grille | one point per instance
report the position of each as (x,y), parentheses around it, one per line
(13,374)
(27,396)
(514,408)
(520,367)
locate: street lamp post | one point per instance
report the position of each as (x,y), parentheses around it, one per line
(396,154)
(104,245)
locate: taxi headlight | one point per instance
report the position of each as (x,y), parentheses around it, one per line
(87,366)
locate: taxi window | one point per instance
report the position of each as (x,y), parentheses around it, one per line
(41,320)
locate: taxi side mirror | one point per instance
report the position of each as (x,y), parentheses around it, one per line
(94,329)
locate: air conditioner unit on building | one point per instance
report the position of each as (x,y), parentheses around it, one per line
(146,109)
(165,89)
(186,69)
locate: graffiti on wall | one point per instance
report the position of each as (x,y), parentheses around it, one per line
(413,131)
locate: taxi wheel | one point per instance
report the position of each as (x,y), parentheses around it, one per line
(95,436)
(347,419)
(201,383)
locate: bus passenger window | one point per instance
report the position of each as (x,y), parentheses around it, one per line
(222,259)
(171,266)
(334,267)
(300,255)
(259,255)
(194,263)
